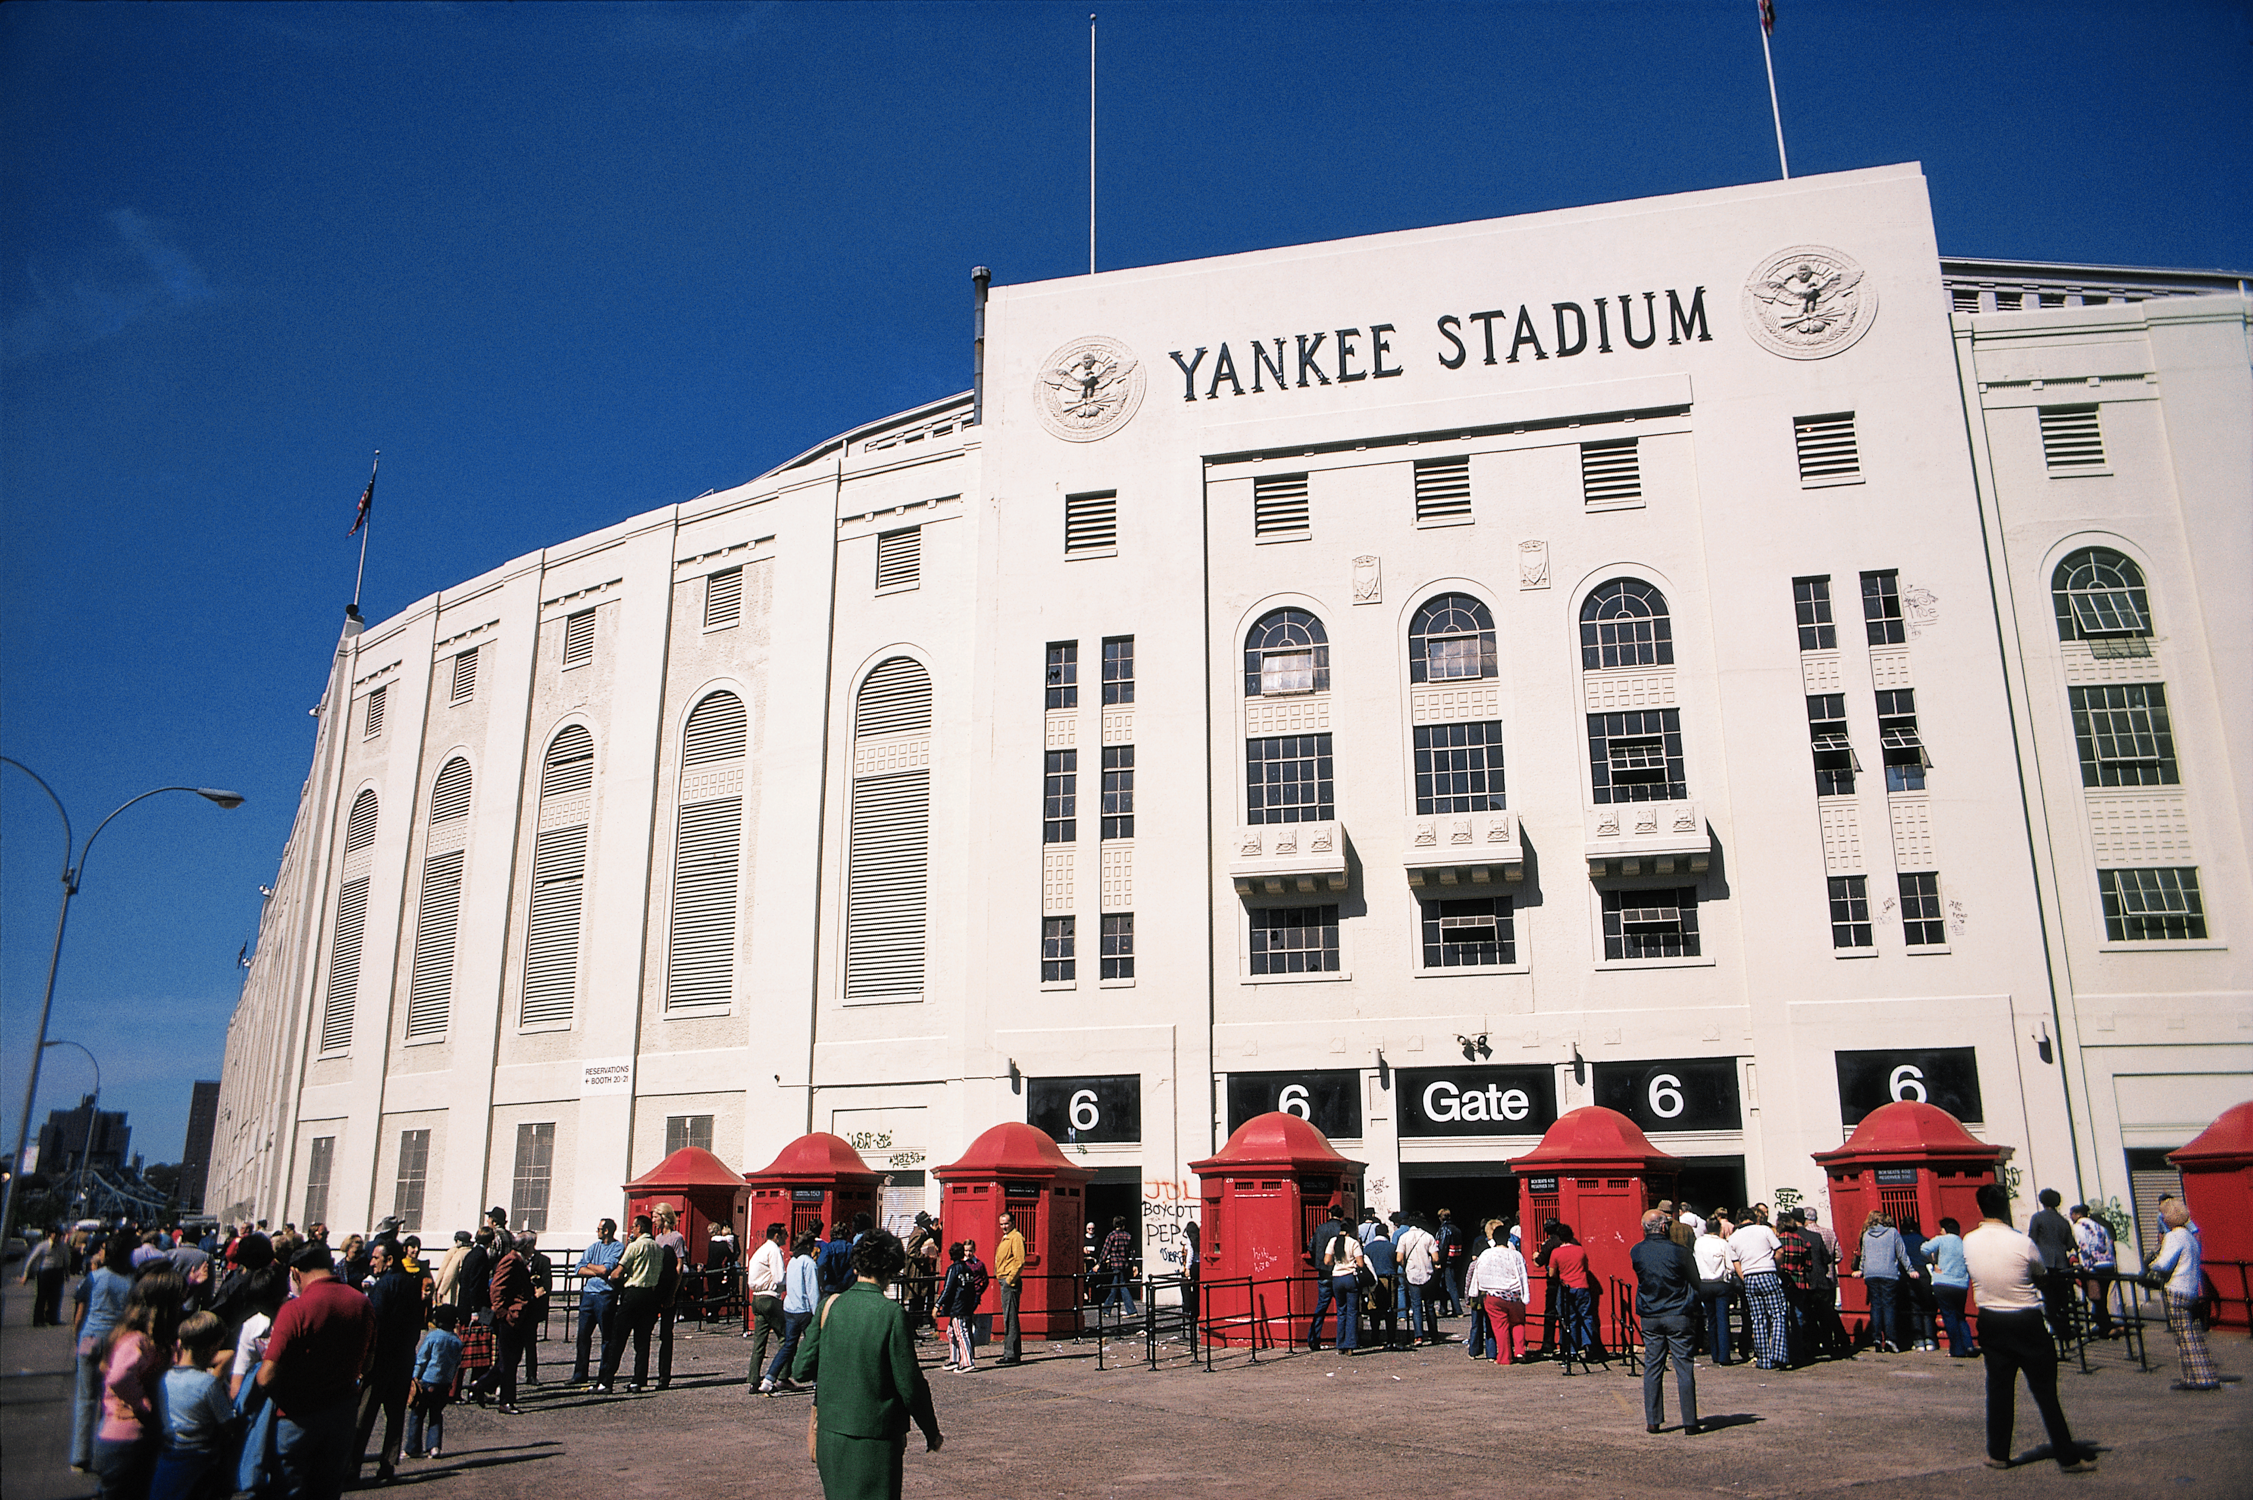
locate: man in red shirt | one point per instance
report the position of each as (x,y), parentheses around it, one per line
(1569,1263)
(321,1342)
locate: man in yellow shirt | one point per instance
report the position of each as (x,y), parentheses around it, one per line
(1009,1270)
(637,1276)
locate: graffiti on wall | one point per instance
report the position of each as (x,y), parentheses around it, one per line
(1167,1209)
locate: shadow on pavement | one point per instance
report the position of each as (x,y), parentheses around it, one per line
(1732,1419)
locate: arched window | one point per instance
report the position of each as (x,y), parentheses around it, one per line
(1451,638)
(430,990)
(359,828)
(887,882)
(559,879)
(1624,624)
(1286,652)
(2100,596)
(708,857)
(449,798)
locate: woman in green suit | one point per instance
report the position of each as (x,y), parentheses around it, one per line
(858,1351)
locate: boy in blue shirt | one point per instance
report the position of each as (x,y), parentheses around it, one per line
(196,1415)
(437,1357)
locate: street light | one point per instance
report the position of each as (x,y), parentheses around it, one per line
(93,1113)
(74,871)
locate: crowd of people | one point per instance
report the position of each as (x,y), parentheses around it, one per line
(259,1363)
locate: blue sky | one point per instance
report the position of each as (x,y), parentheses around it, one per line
(563,264)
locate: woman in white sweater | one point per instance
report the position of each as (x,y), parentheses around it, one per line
(1498,1275)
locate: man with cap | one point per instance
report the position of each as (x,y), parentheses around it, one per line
(315,1351)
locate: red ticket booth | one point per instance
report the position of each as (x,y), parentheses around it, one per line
(1015,1168)
(1914,1163)
(816,1181)
(1596,1171)
(2217,1173)
(1265,1194)
(705,1189)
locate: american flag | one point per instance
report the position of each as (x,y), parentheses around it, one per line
(367,501)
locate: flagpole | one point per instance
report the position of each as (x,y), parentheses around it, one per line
(1091,145)
(1773,107)
(366,526)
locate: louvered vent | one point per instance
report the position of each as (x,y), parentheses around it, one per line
(1828,453)
(579,639)
(1610,473)
(570,767)
(888,884)
(449,798)
(344,966)
(895,699)
(1443,490)
(899,560)
(551,957)
(465,675)
(1279,507)
(359,828)
(705,861)
(1091,522)
(2071,441)
(375,711)
(431,990)
(715,731)
(723,598)
(1963,299)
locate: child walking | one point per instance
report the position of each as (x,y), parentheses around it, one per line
(196,1415)
(437,1357)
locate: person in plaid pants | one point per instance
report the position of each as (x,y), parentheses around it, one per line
(2178,1260)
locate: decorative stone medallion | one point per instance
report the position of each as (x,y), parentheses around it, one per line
(1808,302)
(1089,389)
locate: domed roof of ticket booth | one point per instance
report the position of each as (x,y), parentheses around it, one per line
(819,1155)
(1013,1148)
(1589,1135)
(1276,1139)
(2226,1142)
(1907,1128)
(691,1166)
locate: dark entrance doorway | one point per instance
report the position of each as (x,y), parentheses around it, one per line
(1710,1182)
(1472,1192)
(1115,1193)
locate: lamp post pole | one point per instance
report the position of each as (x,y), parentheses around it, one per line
(74,870)
(93,1110)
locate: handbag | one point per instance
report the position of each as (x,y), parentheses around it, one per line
(813,1413)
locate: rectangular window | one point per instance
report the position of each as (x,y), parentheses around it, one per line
(2071,440)
(1922,925)
(1881,607)
(1899,741)
(414,1175)
(1057,939)
(1295,940)
(682,1131)
(1828,453)
(1118,945)
(1651,924)
(320,1165)
(1478,933)
(465,676)
(1091,523)
(1287,779)
(1060,798)
(1443,491)
(579,639)
(1835,763)
(1118,669)
(899,560)
(1118,791)
(1610,473)
(375,711)
(1850,912)
(1063,674)
(723,598)
(1637,757)
(2151,906)
(2124,735)
(1459,767)
(1811,597)
(535,1170)
(1279,508)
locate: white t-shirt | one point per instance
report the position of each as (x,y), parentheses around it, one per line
(1715,1257)
(767,1266)
(1697,1225)
(250,1345)
(2003,1264)
(1415,1248)
(1344,1255)
(1756,1246)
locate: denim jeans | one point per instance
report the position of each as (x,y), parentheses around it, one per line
(1346,1292)
(1474,1342)
(1122,1293)
(85,1410)
(1715,1296)
(426,1425)
(1409,1307)
(595,1314)
(317,1450)
(1579,1318)
(793,1325)
(1321,1305)
(1885,1317)
(1952,1318)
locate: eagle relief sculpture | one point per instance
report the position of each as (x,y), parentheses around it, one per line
(1089,389)
(1808,302)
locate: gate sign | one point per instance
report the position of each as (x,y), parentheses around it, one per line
(1690,1093)
(1476,1101)
(1329,1100)
(1946,1076)
(1086,1110)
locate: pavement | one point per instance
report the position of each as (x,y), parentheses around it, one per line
(1430,1420)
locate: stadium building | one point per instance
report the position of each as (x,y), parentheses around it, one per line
(1704,656)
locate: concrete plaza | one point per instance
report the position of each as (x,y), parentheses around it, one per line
(1429,1421)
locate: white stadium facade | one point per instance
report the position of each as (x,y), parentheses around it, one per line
(1705,656)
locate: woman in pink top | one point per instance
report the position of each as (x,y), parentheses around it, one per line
(1569,1262)
(135,1355)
